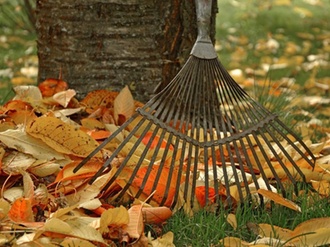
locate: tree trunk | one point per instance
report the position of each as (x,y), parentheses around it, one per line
(98,44)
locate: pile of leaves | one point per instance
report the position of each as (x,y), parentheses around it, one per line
(43,203)
(45,132)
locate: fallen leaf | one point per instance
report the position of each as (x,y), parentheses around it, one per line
(19,140)
(277,198)
(117,217)
(21,211)
(123,106)
(156,215)
(135,227)
(62,137)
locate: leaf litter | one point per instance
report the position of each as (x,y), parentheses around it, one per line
(42,197)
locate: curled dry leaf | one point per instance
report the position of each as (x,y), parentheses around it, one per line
(51,86)
(43,169)
(63,98)
(15,162)
(62,137)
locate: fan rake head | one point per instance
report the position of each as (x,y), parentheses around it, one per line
(203,138)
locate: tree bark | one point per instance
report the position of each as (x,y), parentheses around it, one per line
(98,44)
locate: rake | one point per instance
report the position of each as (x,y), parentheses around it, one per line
(203,132)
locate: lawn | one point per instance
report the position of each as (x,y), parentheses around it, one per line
(277,50)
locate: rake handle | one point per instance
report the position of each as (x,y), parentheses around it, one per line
(203,47)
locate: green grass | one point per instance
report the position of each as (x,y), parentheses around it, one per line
(207,229)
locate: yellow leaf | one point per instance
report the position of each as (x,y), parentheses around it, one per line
(70,242)
(319,237)
(233,241)
(58,226)
(312,225)
(322,187)
(303,12)
(231,219)
(165,240)
(118,217)
(271,231)
(62,137)
(4,208)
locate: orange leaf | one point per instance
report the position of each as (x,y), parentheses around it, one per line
(160,184)
(17,105)
(99,134)
(21,210)
(156,215)
(51,86)
(87,171)
(200,195)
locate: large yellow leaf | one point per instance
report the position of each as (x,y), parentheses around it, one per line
(19,140)
(271,231)
(62,137)
(277,198)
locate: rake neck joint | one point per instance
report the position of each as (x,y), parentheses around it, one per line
(203,47)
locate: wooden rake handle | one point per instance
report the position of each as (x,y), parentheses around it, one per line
(203,47)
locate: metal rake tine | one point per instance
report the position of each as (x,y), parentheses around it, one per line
(258,163)
(172,166)
(103,144)
(139,163)
(259,144)
(152,163)
(293,144)
(288,156)
(126,159)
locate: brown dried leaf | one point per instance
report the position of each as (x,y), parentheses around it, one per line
(98,98)
(156,215)
(279,199)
